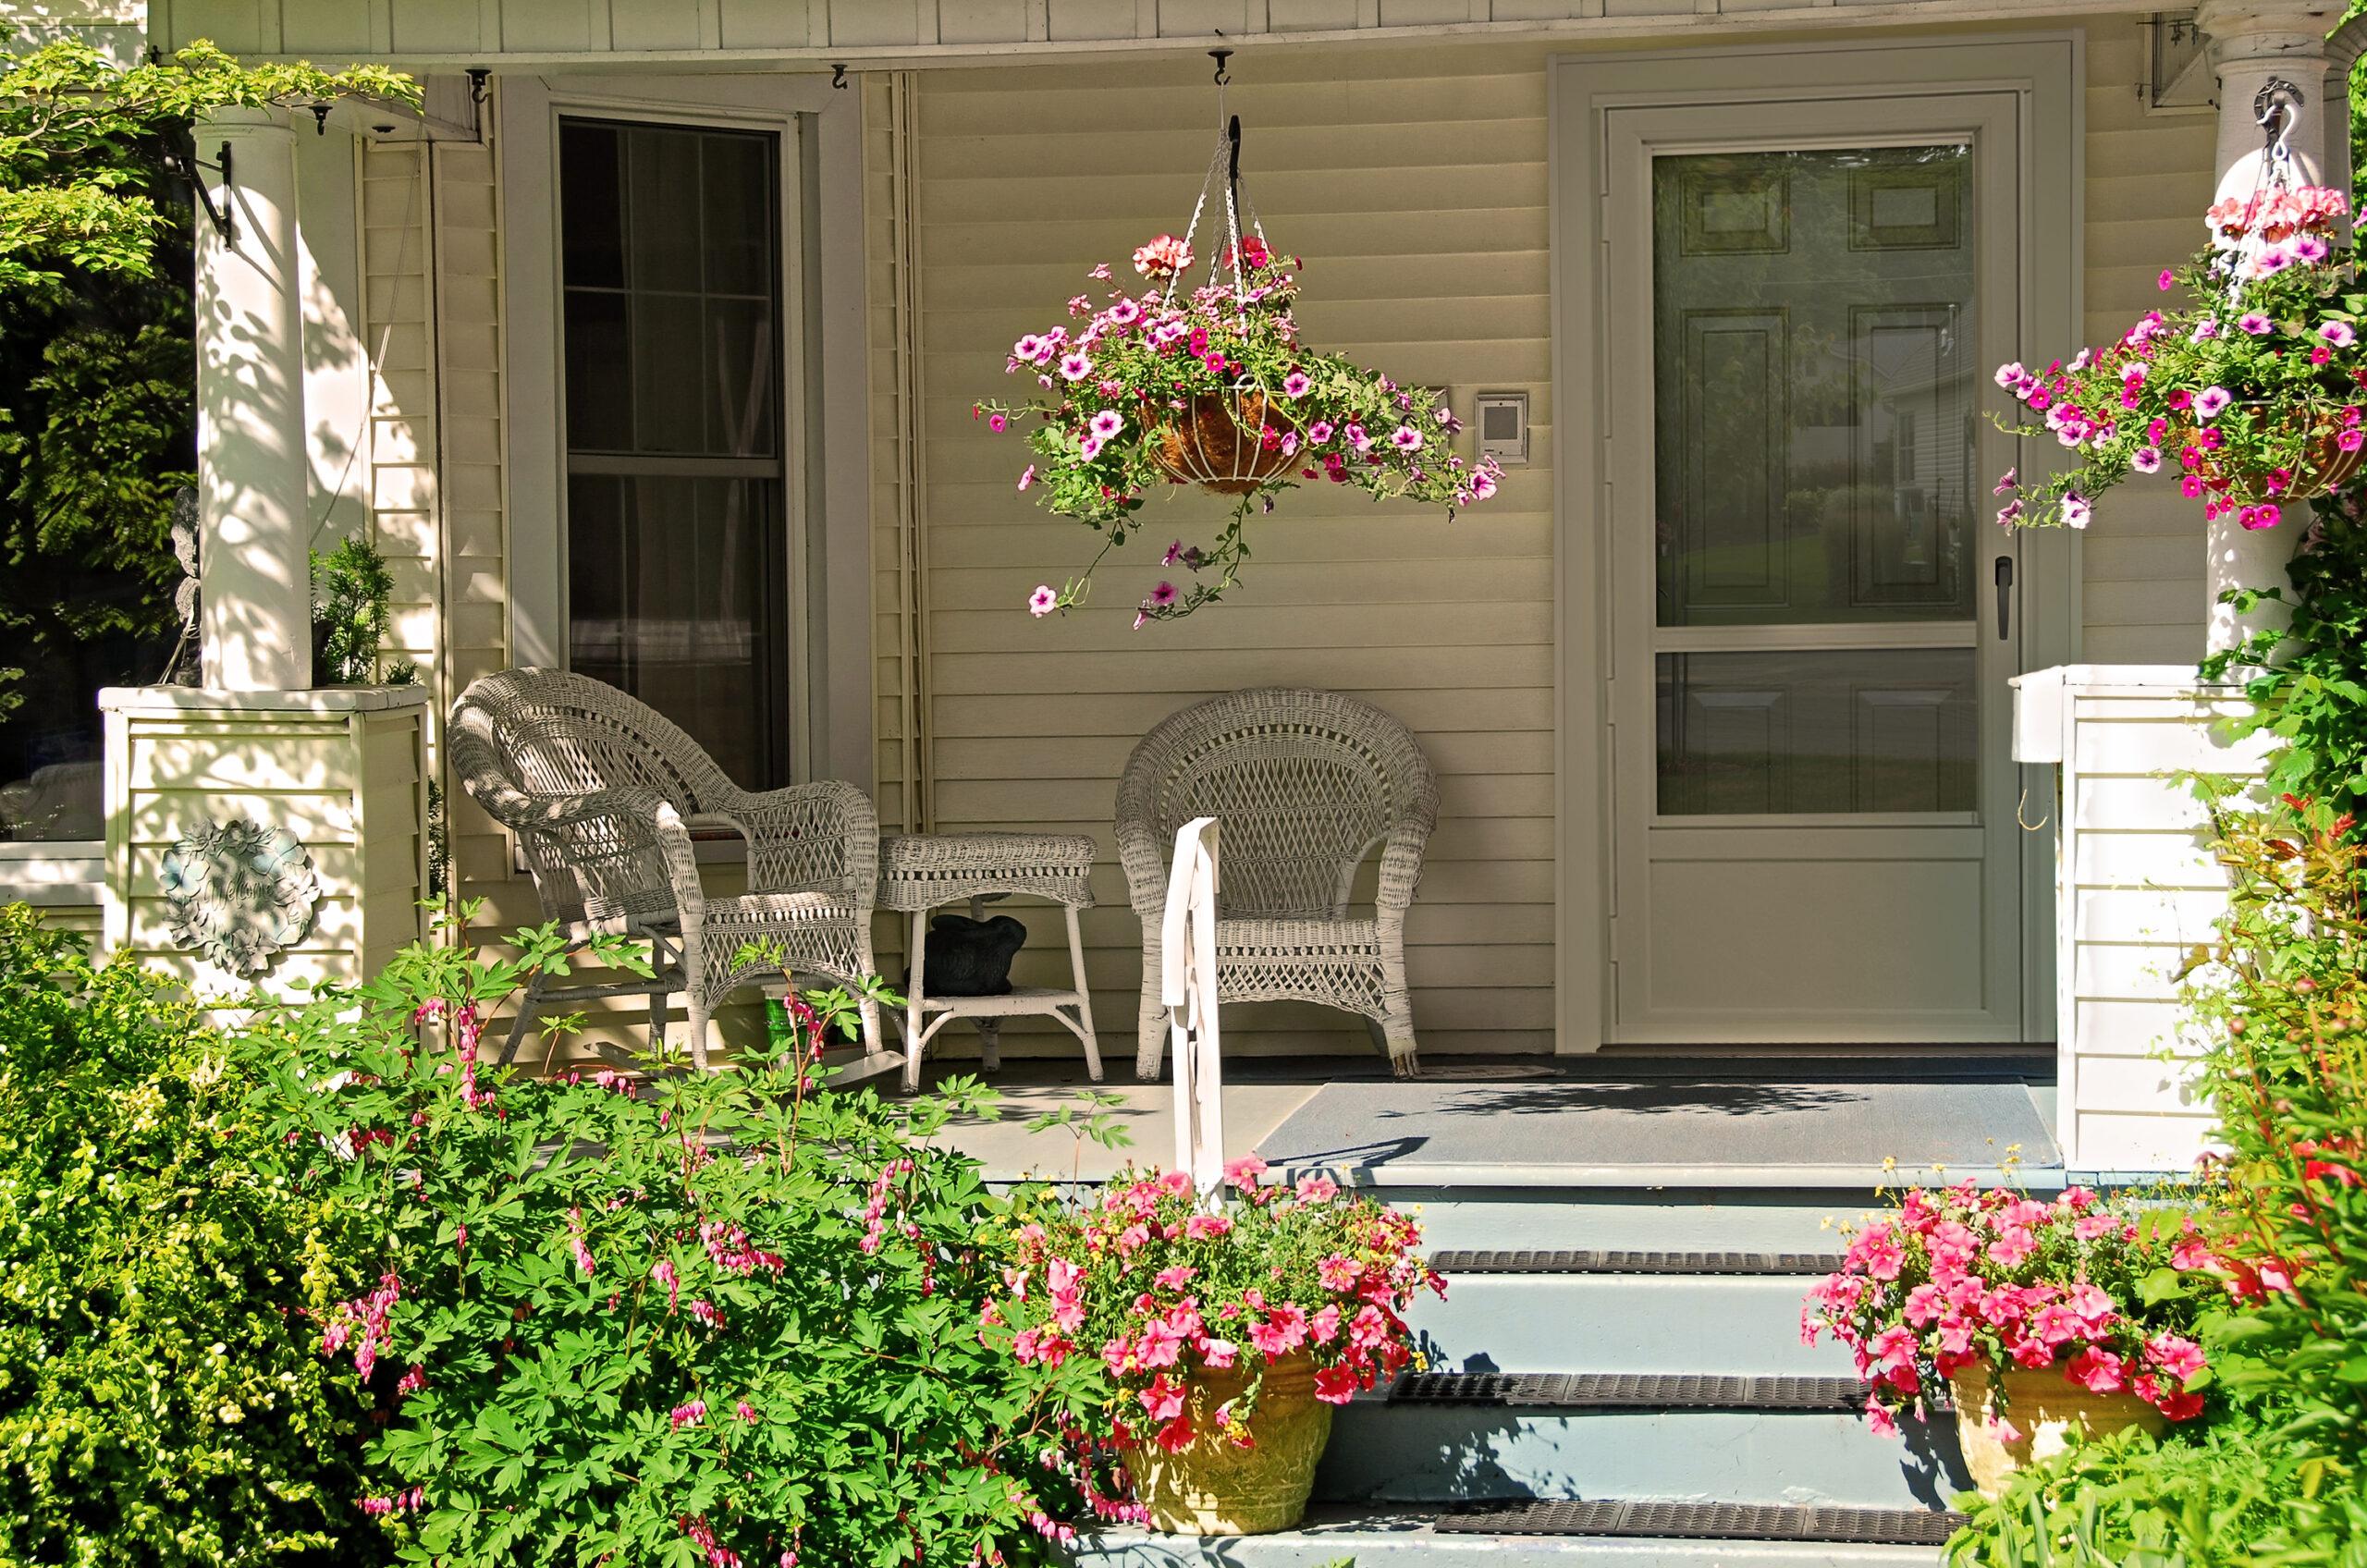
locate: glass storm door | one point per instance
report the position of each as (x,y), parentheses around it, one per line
(1814,808)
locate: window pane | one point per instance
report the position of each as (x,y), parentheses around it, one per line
(591,205)
(678,570)
(599,400)
(673,585)
(1815,396)
(1886,729)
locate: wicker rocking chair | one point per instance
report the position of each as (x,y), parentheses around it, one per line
(1304,785)
(602,791)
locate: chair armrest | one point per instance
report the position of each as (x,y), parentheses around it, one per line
(1139,852)
(822,836)
(606,839)
(1401,863)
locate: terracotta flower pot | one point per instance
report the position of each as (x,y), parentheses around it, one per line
(2324,466)
(1214,444)
(2045,1407)
(1215,1486)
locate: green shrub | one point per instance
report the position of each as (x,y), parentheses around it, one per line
(2279,1476)
(160,1400)
(2132,1501)
(717,1319)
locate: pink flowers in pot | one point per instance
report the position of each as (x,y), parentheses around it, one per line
(1163,1291)
(1962,1278)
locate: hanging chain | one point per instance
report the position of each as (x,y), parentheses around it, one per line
(2277,107)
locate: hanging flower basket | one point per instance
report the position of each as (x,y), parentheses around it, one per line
(1210,386)
(1223,443)
(2312,440)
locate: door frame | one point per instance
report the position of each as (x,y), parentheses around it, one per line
(2042,72)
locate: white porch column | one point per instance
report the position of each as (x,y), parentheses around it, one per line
(253,575)
(2254,43)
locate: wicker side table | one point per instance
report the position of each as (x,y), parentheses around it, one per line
(922,872)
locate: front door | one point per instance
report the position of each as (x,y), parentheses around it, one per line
(1813,801)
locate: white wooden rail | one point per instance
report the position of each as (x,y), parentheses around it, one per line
(1188,986)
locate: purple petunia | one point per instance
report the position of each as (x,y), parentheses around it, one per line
(2339,333)
(2254,323)
(1295,385)
(2211,400)
(1105,424)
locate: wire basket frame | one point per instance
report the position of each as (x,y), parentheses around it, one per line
(1219,444)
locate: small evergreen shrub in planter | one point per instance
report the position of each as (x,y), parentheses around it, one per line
(160,1401)
(714,1322)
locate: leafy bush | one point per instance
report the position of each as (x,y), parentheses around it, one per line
(2277,1477)
(2131,1501)
(718,1319)
(160,1400)
(2308,682)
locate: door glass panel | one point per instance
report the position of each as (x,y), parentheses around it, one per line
(1814,429)
(1814,332)
(1894,729)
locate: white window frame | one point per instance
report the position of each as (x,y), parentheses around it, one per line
(825,496)
(2047,72)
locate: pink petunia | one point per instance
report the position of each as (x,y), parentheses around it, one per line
(1044,601)
(2211,400)
(2339,333)
(1075,367)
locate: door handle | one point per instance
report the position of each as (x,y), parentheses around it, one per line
(2005,597)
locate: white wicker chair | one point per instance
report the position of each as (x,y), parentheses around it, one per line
(602,789)
(1304,784)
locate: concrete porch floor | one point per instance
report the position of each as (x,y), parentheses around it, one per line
(1630,1121)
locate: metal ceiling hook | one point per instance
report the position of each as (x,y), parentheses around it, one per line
(1221,56)
(2276,106)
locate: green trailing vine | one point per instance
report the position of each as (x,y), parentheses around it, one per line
(2314,700)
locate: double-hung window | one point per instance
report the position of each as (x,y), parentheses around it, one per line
(677,545)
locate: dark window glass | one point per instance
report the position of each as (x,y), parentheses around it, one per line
(678,548)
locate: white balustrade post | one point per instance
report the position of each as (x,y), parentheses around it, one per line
(2254,43)
(1188,986)
(254,529)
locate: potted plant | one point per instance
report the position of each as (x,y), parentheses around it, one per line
(2041,1319)
(2249,396)
(1226,1329)
(1211,386)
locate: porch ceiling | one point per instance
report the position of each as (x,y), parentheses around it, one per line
(903,34)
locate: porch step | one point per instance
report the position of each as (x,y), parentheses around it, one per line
(1623,1311)
(1511,1538)
(1707,1521)
(1633,1260)
(1463,1437)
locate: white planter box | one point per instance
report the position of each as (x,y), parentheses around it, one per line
(2135,888)
(341,769)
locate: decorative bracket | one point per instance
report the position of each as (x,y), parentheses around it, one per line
(225,223)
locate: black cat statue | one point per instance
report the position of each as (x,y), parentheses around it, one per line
(970,958)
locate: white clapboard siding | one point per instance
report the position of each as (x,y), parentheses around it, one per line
(2139,888)
(1415,186)
(2149,176)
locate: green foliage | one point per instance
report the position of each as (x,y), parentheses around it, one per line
(703,1319)
(2277,1477)
(352,592)
(72,128)
(160,1403)
(2314,702)
(2131,1501)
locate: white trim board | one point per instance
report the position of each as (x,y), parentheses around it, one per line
(2046,75)
(822,158)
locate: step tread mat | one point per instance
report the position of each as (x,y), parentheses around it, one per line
(1630,1390)
(1589,1260)
(1705,1521)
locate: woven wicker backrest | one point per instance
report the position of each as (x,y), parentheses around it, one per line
(520,736)
(1302,784)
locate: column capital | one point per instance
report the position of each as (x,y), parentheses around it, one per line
(2268,30)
